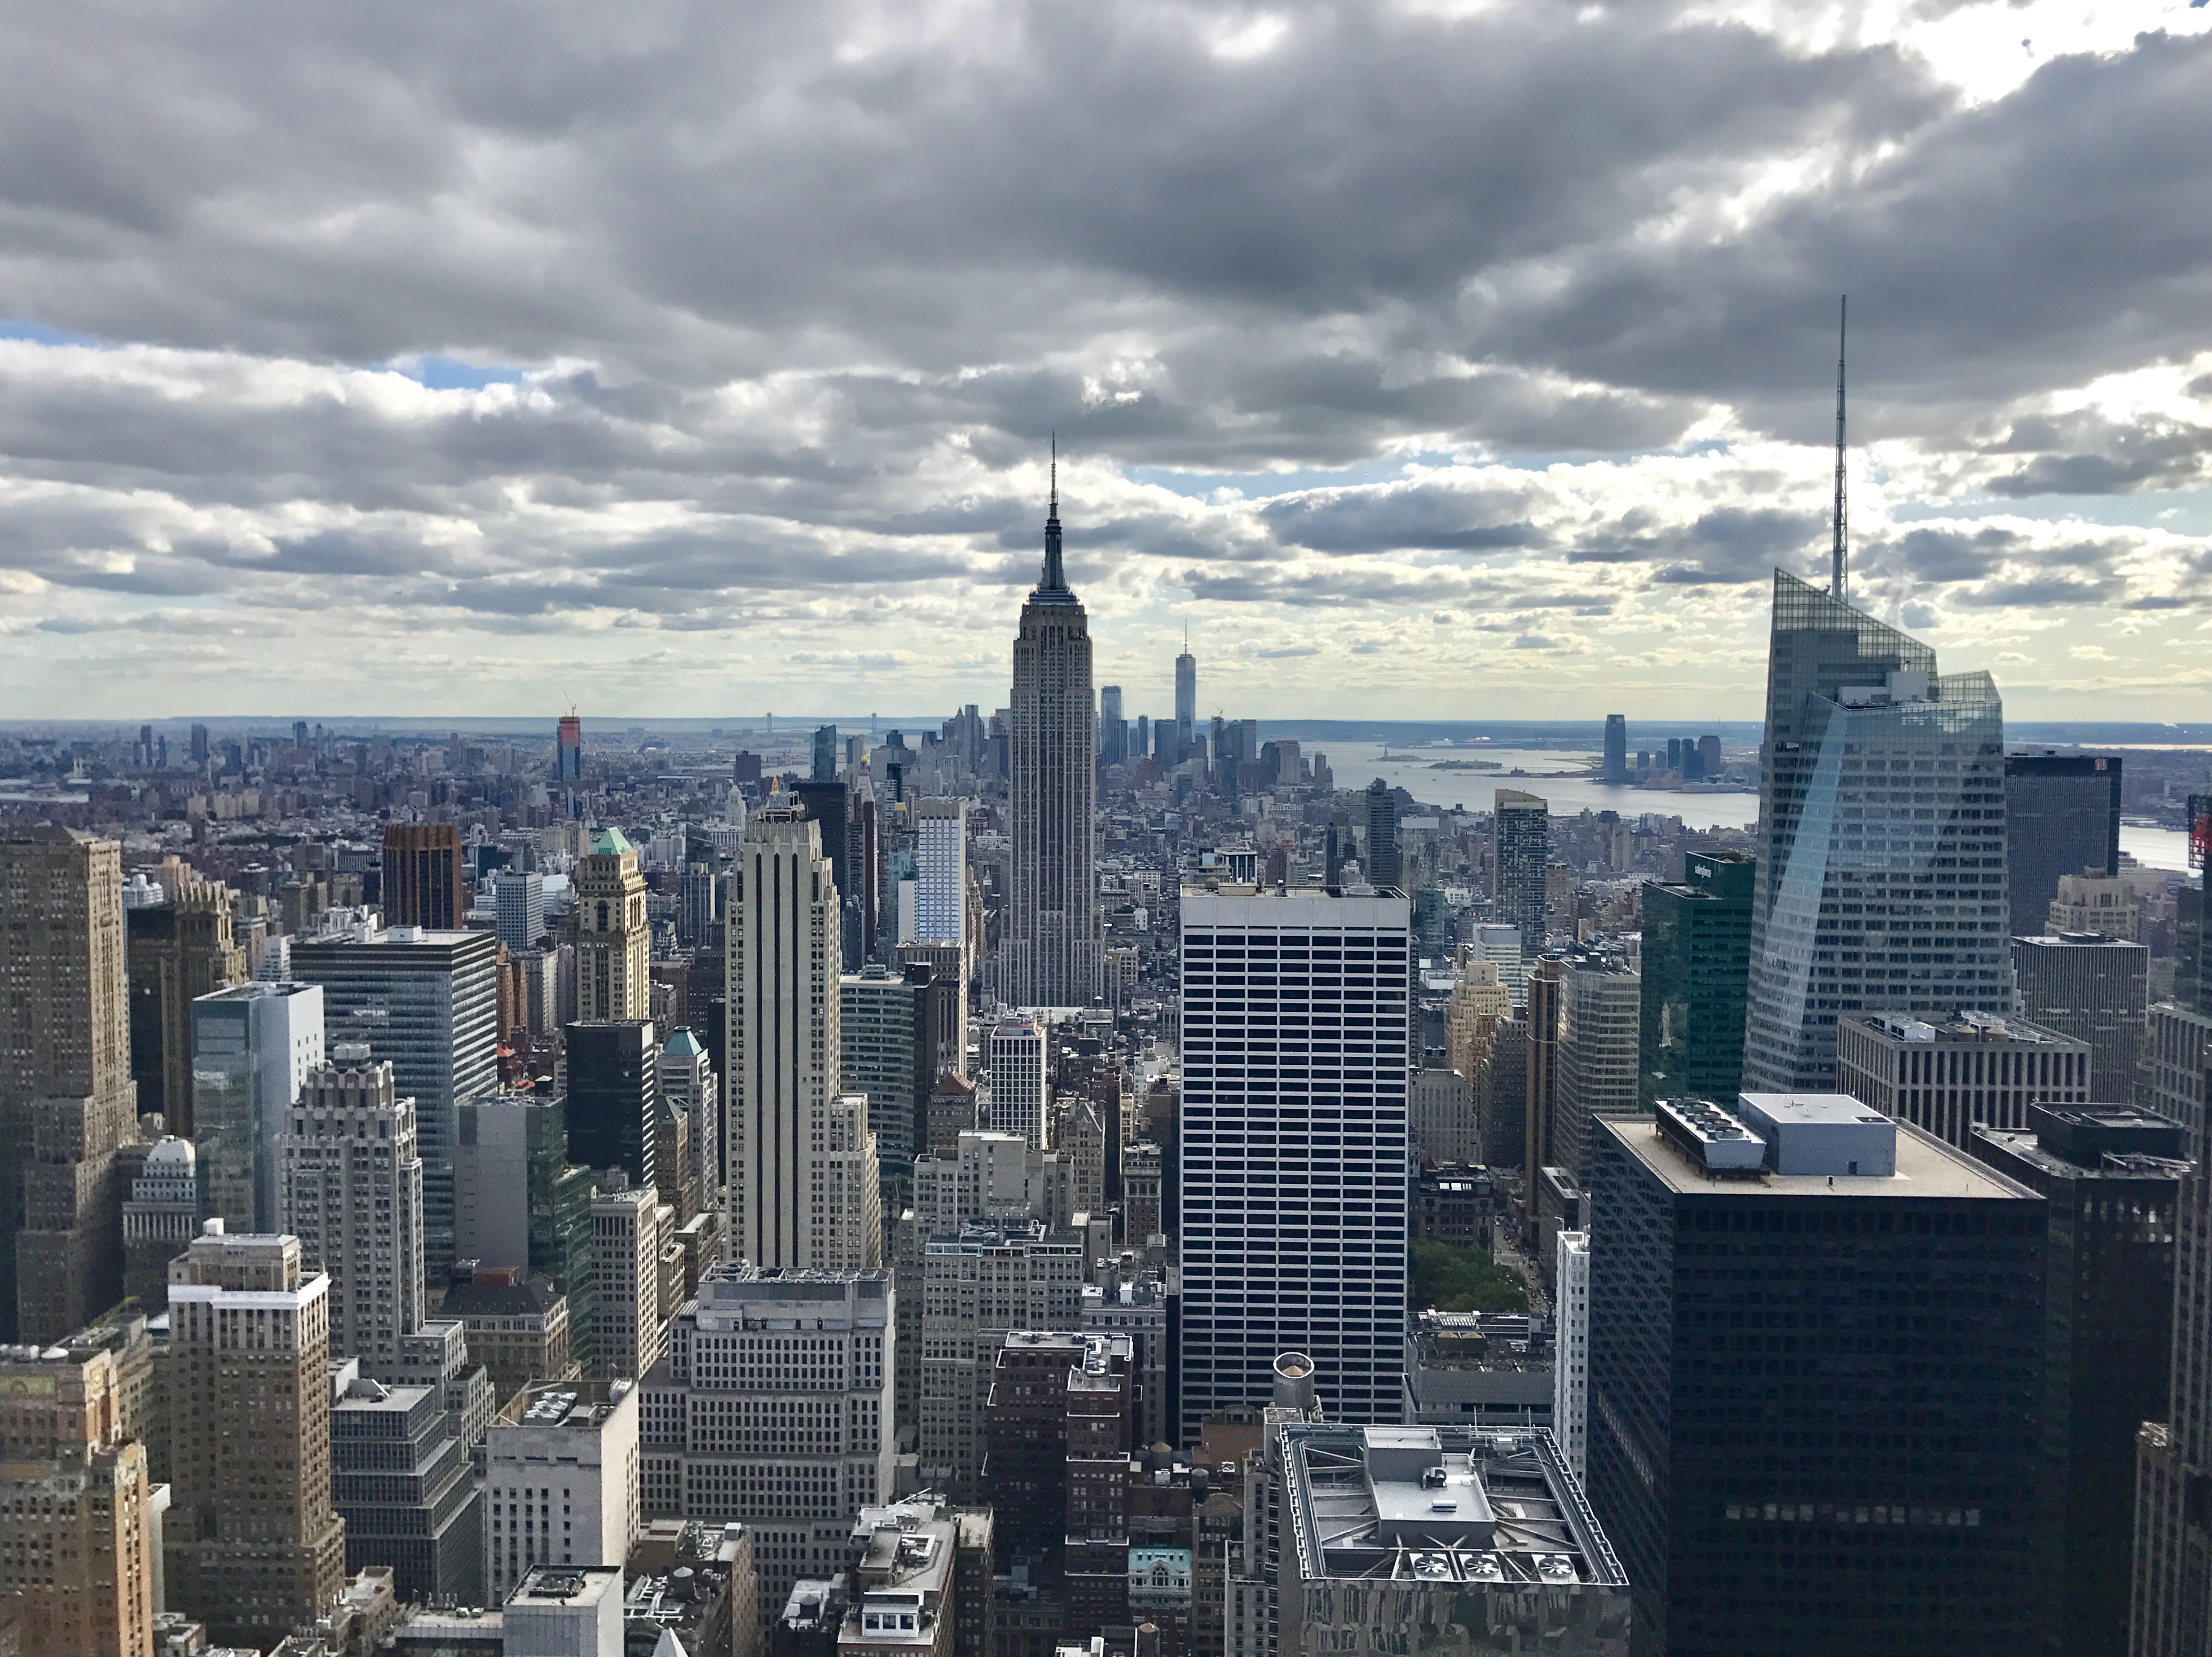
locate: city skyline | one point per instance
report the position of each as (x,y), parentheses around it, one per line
(1481,396)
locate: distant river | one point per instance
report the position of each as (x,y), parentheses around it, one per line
(1356,764)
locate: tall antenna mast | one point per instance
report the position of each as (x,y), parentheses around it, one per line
(1841,549)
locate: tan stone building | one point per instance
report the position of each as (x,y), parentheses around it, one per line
(613,941)
(76,1524)
(66,1101)
(254,1544)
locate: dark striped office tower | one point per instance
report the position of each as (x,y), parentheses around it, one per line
(1816,1350)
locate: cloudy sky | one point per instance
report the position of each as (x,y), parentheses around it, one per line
(1426,358)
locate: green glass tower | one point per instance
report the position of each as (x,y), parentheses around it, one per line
(1697,960)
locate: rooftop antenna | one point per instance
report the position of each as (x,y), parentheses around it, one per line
(1839,552)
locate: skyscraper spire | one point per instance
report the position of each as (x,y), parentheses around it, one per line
(1054,584)
(1839,552)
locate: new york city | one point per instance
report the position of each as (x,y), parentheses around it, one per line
(994,830)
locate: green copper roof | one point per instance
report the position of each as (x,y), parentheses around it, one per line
(684,1044)
(610,840)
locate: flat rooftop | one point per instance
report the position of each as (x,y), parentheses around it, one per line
(1983,1029)
(1480,1507)
(1926,1167)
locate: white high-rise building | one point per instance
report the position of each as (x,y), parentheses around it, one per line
(1293,1127)
(253,1047)
(794,1199)
(630,1325)
(1051,951)
(775,1407)
(1499,942)
(519,900)
(1600,1010)
(940,858)
(351,1189)
(1570,1358)
(560,1481)
(1019,1093)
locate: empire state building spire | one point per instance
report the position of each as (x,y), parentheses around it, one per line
(1052,589)
(1051,953)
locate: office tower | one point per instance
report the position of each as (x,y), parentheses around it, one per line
(2111,1183)
(2062,817)
(1481,1530)
(979,1280)
(1616,748)
(423,877)
(200,746)
(1880,883)
(887,1053)
(1382,867)
(568,750)
(1600,1009)
(161,1217)
(2095,989)
(560,1481)
(787,1129)
(67,1104)
(1541,1145)
(1019,1094)
(426,1001)
(518,1200)
(629,1328)
(944,994)
(1522,829)
(1499,1085)
(2175,1054)
(1500,944)
(613,942)
(350,1187)
(401,1481)
(519,898)
(1050,950)
(1972,1069)
(2092,903)
(254,1542)
(1786,1481)
(614,1096)
(180,950)
(1113,731)
(775,1407)
(1571,1363)
(941,873)
(691,1095)
(77,1522)
(1186,693)
(253,1047)
(1479,1003)
(1695,962)
(825,766)
(1294,1038)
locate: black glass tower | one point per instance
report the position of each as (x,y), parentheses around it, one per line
(614,1093)
(1814,1384)
(1696,960)
(2063,817)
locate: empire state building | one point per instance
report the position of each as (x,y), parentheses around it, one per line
(1052,933)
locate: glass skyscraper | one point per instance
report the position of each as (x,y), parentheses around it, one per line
(1881,872)
(1697,953)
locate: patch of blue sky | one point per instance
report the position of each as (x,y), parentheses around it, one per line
(447,373)
(39,334)
(2182,512)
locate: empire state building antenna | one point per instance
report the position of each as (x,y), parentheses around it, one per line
(1840,551)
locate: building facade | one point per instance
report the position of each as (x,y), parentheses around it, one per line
(565,1455)
(1522,836)
(613,942)
(1015,1066)
(2095,989)
(351,1189)
(1291,1144)
(614,1096)
(2064,814)
(425,883)
(67,1102)
(254,1542)
(253,1047)
(426,1001)
(1881,867)
(1600,1015)
(181,948)
(1051,948)
(1695,962)
(1785,1479)
(1971,1069)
